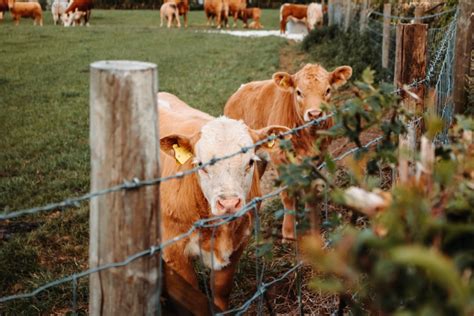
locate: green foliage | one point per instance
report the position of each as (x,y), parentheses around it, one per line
(415,256)
(333,47)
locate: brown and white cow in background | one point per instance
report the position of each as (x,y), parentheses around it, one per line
(58,8)
(315,15)
(183,9)
(76,11)
(20,10)
(293,11)
(190,137)
(169,11)
(289,100)
(234,8)
(218,10)
(251,13)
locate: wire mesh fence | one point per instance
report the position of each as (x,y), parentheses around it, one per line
(439,75)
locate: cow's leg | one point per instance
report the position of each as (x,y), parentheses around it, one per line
(170,19)
(176,259)
(223,279)
(289,220)
(236,14)
(282,25)
(161,19)
(177,19)
(41,21)
(185,19)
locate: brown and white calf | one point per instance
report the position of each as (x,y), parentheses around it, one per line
(20,10)
(169,11)
(190,137)
(294,11)
(183,9)
(289,100)
(77,10)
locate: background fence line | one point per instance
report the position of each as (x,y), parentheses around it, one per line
(440,64)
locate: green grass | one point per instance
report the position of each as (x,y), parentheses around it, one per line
(44,106)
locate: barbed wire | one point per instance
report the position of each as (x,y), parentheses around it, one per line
(137,183)
(211,222)
(402,18)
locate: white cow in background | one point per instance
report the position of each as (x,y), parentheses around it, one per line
(57,9)
(315,15)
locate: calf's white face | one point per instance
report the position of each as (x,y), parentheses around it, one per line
(227,183)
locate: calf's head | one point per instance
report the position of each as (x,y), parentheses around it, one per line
(311,87)
(227,183)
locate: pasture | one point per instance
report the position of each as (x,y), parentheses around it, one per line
(44,156)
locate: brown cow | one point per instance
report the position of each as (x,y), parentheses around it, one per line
(234,8)
(295,11)
(79,5)
(218,9)
(183,9)
(288,100)
(251,13)
(26,10)
(190,137)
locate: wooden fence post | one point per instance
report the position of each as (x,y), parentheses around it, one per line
(419,11)
(387,10)
(410,65)
(464,53)
(331,12)
(363,16)
(347,17)
(124,145)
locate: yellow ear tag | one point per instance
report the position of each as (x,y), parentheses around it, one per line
(271,143)
(181,154)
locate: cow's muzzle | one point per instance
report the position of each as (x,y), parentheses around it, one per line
(228,204)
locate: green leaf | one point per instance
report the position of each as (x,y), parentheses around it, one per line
(368,76)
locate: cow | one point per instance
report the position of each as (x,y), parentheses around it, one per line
(289,100)
(251,13)
(81,6)
(183,9)
(235,6)
(57,9)
(169,11)
(3,8)
(315,15)
(74,18)
(190,137)
(295,11)
(218,9)
(26,10)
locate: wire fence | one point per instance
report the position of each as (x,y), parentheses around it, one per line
(439,72)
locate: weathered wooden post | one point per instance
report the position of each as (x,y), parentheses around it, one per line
(464,55)
(363,16)
(387,10)
(348,13)
(124,145)
(419,11)
(331,12)
(410,66)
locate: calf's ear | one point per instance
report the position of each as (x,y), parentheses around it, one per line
(284,81)
(259,134)
(177,146)
(339,76)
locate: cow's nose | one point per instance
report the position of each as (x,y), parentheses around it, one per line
(228,204)
(314,114)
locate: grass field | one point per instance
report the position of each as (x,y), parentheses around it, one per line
(44,151)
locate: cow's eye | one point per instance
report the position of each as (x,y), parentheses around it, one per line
(299,93)
(250,164)
(328,92)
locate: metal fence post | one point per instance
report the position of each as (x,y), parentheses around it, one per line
(124,145)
